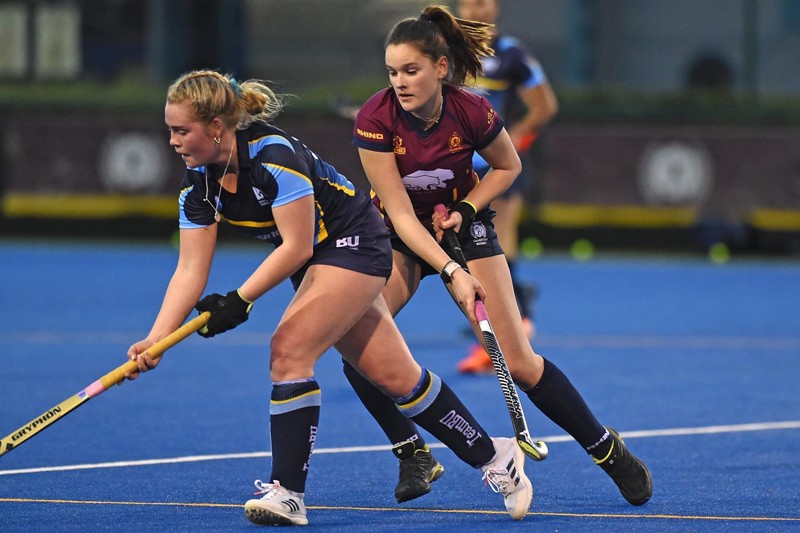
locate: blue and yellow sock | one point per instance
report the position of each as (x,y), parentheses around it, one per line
(435,407)
(294,418)
(397,427)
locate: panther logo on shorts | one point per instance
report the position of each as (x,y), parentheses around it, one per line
(478,233)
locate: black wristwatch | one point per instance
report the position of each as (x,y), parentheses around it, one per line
(447,271)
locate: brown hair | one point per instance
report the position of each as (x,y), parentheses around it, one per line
(436,33)
(212,95)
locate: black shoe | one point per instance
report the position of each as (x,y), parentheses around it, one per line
(418,468)
(628,471)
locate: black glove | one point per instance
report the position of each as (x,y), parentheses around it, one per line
(227,312)
(467,212)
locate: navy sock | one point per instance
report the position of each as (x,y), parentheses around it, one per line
(519,291)
(557,398)
(397,427)
(436,408)
(293,419)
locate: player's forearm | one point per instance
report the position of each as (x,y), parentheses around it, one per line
(542,105)
(284,261)
(182,294)
(493,184)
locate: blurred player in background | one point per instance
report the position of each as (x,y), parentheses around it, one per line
(511,76)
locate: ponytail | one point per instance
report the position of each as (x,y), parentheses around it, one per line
(436,33)
(211,95)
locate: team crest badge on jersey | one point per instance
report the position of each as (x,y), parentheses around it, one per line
(399,149)
(455,142)
(491,116)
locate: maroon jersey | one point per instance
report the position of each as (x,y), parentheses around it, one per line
(435,164)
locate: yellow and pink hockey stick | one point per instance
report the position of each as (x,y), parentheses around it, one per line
(51,416)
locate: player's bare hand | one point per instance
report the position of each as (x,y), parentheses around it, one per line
(465,289)
(441,222)
(138,353)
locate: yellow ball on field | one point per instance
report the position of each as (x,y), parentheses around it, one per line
(582,250)
(531,247)
(719,253)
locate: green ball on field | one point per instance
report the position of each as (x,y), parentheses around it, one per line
(582,250)
(719,253)
(531,247)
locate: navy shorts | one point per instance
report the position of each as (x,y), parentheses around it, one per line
(483,242)
(364,249)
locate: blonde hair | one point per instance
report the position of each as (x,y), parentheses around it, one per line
(211,94)
(436,33)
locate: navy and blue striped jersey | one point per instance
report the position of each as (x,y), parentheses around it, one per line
(510,69)
(274,169)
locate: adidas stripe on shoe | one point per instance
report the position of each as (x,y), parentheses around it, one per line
(278,506)
(505,474)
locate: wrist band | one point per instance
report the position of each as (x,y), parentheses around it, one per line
(447,271)
(474,209)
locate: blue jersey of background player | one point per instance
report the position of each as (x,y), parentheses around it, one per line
(511,71)
(516,85)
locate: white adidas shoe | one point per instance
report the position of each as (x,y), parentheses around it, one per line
(505,474)
(278,506)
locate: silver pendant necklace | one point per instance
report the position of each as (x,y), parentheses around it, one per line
(215,205)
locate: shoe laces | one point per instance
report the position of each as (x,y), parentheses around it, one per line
(498,480)
(415,463)
(268,489)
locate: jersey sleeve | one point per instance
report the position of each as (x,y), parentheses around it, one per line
(193,209)
(488,124)
(371,130)
(282,170)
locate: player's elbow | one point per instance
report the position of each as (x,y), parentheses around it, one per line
(303,254)
(552,107)
(552,110)
(514,166)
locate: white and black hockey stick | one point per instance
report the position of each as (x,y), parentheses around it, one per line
(535,450)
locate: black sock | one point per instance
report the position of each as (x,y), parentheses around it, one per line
(519,290)
(397,427)
(557,398)
(293,420)
(436,408)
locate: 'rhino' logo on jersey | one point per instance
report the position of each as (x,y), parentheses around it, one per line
(428,180)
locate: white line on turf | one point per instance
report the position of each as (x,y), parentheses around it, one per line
(673,432)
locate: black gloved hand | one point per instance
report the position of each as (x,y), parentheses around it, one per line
(227,312)
(467,212)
